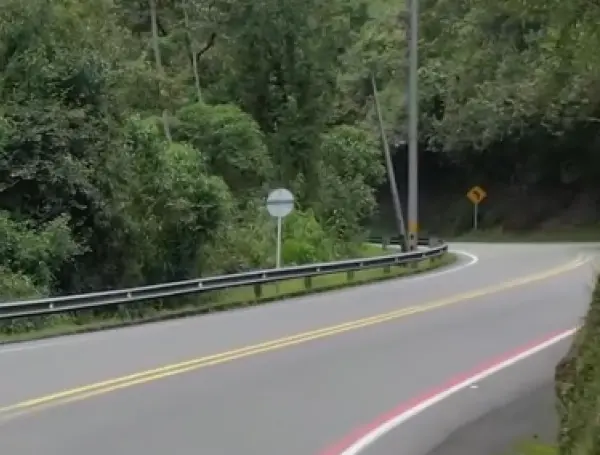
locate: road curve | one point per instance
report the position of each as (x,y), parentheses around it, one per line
(219,385)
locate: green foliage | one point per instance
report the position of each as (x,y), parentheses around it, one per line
(132,154)
(18,285)
(535,448)
(250,241)
(509,89)
(232,142)
(306,241)
(282,64)
(151,136)
(578,387)
(508,99)
(349,171)
(31,256)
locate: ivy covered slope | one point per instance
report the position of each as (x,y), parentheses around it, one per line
(138,139)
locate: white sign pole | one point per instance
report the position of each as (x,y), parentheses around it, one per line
(280,204)
(279,227)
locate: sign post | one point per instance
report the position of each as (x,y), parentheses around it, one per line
(280,204)
(476,195)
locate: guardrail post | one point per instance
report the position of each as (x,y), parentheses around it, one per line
(258,291)
(308,282)
(387,269)
(350,275)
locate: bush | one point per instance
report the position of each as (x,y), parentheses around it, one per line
(18,285)
(250,241)
(31,256)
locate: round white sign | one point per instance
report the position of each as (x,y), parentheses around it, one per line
(280,203)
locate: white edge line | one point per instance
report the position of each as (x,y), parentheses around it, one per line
(403,417)
(472,261)
(102,335)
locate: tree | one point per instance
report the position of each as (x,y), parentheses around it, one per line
(349,171)
(232,143)
(282,66)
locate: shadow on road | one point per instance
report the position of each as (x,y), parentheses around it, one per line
(532,415)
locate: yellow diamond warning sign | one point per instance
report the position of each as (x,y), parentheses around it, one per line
(476,194)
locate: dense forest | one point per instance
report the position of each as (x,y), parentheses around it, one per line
(139,138)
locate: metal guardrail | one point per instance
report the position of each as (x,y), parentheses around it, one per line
(44,306)
(422,241)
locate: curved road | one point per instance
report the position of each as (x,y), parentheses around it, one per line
(360,370)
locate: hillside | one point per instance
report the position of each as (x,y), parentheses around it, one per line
(139,139)
(510,99)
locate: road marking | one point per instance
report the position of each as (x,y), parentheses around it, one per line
(90,390)
(357,443)
(143,329)
(433,274)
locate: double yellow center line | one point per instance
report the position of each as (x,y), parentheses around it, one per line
(99,388)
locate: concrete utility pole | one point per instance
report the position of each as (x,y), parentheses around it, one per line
(390,169)
(412,38)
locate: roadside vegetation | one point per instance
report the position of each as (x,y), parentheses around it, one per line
(534,448)
(138,142)
(577,385)
(125,315)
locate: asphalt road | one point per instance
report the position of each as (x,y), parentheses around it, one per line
(493,418)
(300,395)
(528,416)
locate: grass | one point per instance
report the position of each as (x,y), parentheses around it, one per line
(87,321)
(372,250)
(534,448)
(566,234)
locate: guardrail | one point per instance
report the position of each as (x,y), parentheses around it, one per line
(45,306)
(422,241)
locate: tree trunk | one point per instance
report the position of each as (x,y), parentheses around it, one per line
(192,53)
(159,67)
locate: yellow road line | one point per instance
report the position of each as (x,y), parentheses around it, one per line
(91,390)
